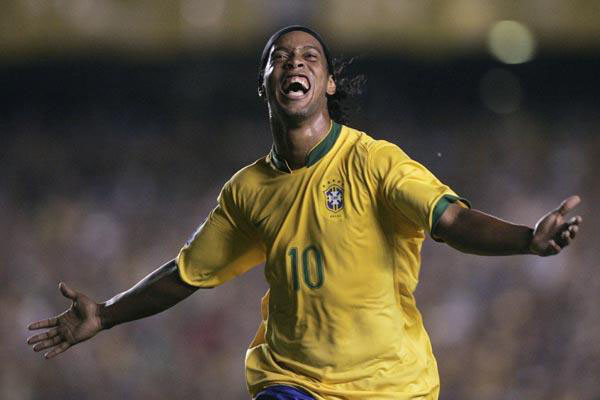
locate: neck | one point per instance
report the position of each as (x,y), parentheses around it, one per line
(293,140)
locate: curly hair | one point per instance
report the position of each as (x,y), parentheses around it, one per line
(342,102)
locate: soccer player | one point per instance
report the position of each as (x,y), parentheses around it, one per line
(338,218)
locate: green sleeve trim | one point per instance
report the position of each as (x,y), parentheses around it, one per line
(439,209)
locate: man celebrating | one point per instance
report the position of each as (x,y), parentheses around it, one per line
(339,219)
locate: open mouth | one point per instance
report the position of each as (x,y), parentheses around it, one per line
(296,86)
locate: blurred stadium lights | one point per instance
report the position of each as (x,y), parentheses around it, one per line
(422,29)
(200,19)
(201,14)
(511,42)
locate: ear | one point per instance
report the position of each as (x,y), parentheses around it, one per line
(261,92)
(330,86)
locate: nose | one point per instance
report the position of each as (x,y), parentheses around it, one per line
(294,61)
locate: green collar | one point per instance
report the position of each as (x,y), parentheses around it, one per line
(315,154)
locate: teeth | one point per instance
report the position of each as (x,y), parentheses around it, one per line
(296,79)
(295,94)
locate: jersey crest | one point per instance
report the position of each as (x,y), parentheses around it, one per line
(334,197)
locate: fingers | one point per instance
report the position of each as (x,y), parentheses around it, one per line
(47,340)
(575,220)
(568,204)
(45,323)
(568,232)
(553,248)
(52,322)
(48,343)
(565,236)
(573,229)
(564,239)
(57,350)
(67,291)
(42,336)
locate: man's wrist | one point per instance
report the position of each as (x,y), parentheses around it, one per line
(105,320)
(528,249)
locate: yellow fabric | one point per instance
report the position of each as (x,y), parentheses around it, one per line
(340,318)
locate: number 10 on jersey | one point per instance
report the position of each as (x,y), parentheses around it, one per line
(312,267)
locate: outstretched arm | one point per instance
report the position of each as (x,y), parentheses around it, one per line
(472,231)
(158,291)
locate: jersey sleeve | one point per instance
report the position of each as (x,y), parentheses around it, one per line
(224,246)
(408,188)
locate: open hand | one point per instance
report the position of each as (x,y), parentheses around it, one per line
(552,232)
(80,322)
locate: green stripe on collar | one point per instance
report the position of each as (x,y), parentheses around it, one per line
(315,154)
(280,163)
(326,144)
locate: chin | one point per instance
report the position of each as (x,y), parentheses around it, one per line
(297,113)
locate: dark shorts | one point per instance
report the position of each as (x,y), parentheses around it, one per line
(282,392)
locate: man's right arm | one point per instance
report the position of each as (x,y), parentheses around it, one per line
(224,246)
(160,290)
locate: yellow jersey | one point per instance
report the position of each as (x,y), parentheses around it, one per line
(341,240)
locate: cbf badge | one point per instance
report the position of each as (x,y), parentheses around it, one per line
(334,195)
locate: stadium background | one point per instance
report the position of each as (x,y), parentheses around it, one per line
(120,121)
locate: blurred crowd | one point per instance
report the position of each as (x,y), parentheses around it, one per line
(108,167)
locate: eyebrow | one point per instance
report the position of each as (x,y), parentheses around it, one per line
(310,46)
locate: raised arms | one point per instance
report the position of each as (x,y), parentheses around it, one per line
(472,231)
(157,292)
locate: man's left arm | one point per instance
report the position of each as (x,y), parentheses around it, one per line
(475,232)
